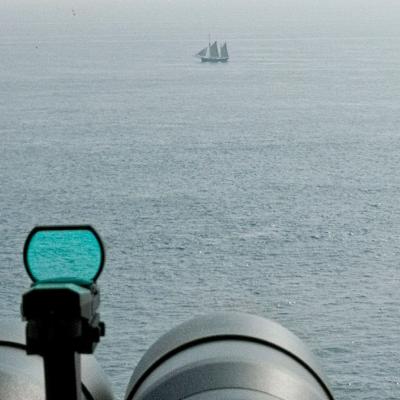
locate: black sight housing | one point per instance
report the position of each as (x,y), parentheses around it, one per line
(225,356)
(22,376)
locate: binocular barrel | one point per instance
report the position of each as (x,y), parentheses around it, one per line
(225,356)
(228,356)
(21,376)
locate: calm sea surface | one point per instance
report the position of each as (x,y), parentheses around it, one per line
(269,184)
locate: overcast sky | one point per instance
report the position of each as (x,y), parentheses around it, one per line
(275,17)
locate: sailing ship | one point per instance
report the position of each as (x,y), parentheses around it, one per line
(212,53)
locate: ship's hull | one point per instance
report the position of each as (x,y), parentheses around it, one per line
(214,60)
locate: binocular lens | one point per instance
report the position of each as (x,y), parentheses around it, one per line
(228,356)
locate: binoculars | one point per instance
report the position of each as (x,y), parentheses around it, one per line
(224,356)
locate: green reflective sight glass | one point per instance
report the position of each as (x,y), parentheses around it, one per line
(64,254)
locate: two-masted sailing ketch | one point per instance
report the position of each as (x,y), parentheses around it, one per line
(212,53)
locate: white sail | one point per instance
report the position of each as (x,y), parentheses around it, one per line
(224,51)
(202,52)
(214,53)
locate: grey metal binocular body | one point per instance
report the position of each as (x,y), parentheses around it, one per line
(226,356)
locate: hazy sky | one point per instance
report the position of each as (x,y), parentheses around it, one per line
(273,17)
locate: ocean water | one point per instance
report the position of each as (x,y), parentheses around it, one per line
(269,184)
